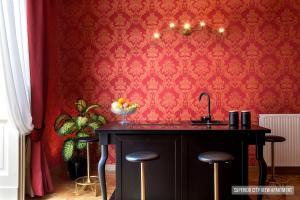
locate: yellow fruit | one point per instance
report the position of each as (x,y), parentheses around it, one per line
(116,105)
(121,100)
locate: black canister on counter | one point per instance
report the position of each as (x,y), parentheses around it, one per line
(246,118)
(233,118)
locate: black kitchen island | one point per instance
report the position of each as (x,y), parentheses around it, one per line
(178,175)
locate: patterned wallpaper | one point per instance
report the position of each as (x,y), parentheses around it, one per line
(105,50)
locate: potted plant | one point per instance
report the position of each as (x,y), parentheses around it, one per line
(83,124)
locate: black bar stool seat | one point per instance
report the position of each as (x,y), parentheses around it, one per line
(274,138)
(142,156)
(215,157)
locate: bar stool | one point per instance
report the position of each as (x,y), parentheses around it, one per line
(142,157)
(215,157)
(275,180)
(87,182)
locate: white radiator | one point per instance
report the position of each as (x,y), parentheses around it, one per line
(287,153)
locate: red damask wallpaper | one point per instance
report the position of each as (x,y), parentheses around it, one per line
(105,50)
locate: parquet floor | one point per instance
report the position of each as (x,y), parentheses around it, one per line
(64,188)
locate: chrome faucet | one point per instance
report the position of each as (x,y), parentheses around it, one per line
(206,118)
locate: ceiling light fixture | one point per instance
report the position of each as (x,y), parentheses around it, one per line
(186,29)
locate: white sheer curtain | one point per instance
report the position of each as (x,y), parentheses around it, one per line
(15,63)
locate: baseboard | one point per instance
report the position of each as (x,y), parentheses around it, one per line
(285,170)
(61,170)
(110,167)
(278,170)
(9,193)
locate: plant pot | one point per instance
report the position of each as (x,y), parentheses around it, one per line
(77,168)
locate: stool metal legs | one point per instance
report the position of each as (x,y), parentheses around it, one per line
(87,182)
(272,161)
(275,180)
(215,157)
(88,162)
(143,194)
(142,157)
(216,181)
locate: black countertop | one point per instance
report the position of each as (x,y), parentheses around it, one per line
(176,127)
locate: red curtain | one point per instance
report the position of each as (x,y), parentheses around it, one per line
(38,23)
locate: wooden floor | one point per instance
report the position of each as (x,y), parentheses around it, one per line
(294,180)
(64,188)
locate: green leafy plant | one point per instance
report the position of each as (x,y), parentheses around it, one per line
(83,124)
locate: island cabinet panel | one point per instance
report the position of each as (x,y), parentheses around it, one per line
(197,176)
(163,176)
(178,174)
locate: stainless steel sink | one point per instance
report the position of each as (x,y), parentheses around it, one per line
(212,122)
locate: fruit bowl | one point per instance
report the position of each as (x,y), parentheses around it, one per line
(123,107)
(124,111)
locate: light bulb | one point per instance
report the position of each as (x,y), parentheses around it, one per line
(221,30)
(186,26)
(172,25)
(202,23)
(156,35)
